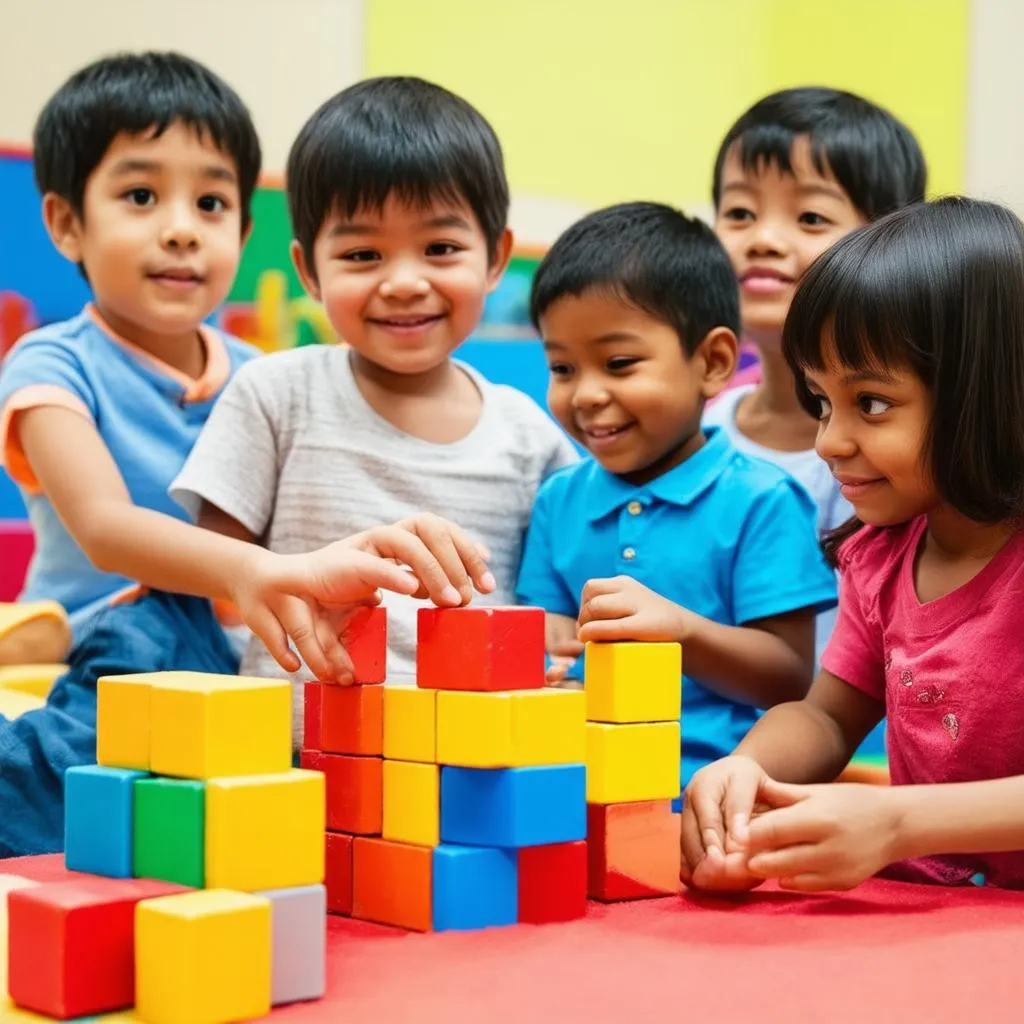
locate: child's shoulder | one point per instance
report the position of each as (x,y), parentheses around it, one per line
(748,479)
(873,550)
(76,335)
(280,371)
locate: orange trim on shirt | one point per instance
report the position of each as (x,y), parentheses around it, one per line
(12,455)
(197,389)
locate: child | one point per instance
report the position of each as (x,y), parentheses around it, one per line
(907,340)
(795,173)
(399,202)
(638,310)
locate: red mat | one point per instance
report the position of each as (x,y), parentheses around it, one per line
(887,952)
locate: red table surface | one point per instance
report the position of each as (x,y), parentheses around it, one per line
(885,952)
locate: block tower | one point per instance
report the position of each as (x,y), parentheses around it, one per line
(204,861)
(460,803)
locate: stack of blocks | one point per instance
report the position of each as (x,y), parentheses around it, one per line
(204,853)
(460,803)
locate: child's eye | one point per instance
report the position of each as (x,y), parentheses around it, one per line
(442,249)
(212,204)
(824,409)
(738,213)
(872,406)
(560,369)
(813,220)
(619,363)
(361,256)
(140,196)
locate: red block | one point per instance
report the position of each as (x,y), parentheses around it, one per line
(355,791)
(72,944)
(480,648)
(632,850)
(338,876)
(552,882)
(352,719)
(392,883)
(366,640)
(311,713)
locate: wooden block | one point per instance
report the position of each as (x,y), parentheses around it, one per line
(412,799)
(8,883)
(123,715)
(265,831)
(72,944)
(627,763)
(14,704)
(352,719)
(480,648)
(206,726)
(552,883)
(391,883)
(513,807)
(632,850)
(311,712)
(203,957)
(474,887)
(169,834)
(35,680)
(338,872)
(410,724)
(633,682)
(355,797)
(299,961)
(98,814)
(511,730)
(366,641)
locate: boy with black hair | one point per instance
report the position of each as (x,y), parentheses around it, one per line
(638,310)
(399,202)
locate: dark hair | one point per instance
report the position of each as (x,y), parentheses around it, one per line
(651,256)
(400,136)
(938,289)
(875,157)
(133,94)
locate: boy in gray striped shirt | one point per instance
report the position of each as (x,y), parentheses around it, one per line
(399,207)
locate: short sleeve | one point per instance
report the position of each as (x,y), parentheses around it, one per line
(233,463)
(779,566)
(539,584)
(39,372)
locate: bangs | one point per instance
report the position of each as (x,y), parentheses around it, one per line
(771,145)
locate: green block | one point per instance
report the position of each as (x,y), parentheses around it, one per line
(169,833)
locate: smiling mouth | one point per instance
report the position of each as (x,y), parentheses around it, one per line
(406,322)
(600,436)
(177,277)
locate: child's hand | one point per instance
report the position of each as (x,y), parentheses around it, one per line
(823,837)
(622,609)
(562,656)
(717,809)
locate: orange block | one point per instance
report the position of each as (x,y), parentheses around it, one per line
(392,883)
(632,850)
(355,791)
(352,719)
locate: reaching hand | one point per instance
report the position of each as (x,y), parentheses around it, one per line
(622,609)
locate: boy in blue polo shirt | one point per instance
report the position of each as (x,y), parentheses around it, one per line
(667,532)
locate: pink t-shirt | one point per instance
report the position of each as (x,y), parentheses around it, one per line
(951,674)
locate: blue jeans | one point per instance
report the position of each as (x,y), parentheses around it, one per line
(158,632)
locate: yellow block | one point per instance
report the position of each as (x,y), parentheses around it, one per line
(410,724)
(203,957)
(8,883)
(633,682)
(265,831)
(123,720)
(36,680)
(511,729)
(412,803)
(14,704)
(626,763)
(207,726)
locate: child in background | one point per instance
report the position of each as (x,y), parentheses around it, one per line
(667,532)
(399,202)
(907,340)
(797,172)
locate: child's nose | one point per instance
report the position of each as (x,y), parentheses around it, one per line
(405,281)
(768,237)
(180,231)
(834,440)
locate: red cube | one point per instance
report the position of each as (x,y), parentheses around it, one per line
(366,640)
(338,874)
(352,719)
(355,791)
(72,944)
(312,709)
(552,882)
(632,850)
(480,648)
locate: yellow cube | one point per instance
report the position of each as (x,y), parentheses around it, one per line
(633,682)
(36,680)
(207,726)
(511,729)
(627,763)
(122,720)
(410,724)
(412,803)
(265,831)
(8,883)
(14,704)
(203,957)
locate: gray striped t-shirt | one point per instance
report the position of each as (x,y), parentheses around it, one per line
(294,452)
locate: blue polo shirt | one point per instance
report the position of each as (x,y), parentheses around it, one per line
(726,535)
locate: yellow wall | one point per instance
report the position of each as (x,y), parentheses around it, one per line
(604,100)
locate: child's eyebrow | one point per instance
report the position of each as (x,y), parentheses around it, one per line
(813,188)
(878,376)
(136,165)
(448,220)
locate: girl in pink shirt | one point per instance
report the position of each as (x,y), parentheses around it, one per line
(907,342)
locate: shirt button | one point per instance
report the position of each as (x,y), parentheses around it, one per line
(634,508)
(629,554)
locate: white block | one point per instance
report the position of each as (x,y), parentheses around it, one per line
(299,966)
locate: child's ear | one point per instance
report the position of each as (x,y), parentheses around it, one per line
(720,352)
(306,273)
(502,254)
(64,226)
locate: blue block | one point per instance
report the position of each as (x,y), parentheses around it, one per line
(98,820)
(474,887)
(513,807)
